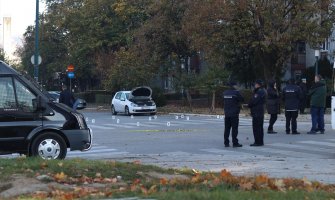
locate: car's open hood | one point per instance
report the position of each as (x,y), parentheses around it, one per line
(142,92)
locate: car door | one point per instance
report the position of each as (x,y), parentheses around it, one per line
(17,116)
(122,102)
(116,101)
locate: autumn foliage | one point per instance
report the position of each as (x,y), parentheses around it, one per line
(83,186)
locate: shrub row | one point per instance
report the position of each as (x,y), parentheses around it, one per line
(161,99)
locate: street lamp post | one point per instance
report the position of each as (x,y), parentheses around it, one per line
(317,54)
(36,42)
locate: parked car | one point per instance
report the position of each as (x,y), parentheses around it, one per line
(135,101)
(33,125)
(54,95)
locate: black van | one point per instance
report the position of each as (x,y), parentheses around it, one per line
(33,124)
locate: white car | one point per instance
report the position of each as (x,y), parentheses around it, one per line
(133,102)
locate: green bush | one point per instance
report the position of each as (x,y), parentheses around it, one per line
(247,94)
(173,96)
(87,96)
(95,96)
(103,99)
(159,97)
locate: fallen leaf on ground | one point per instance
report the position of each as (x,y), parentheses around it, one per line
(60,176)
(246,186)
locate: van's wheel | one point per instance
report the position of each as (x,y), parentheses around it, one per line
(126,111)
(49,146)
(113,110)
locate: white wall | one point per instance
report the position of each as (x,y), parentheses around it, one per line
(22,13)
(329,47)
(310,56)
(7,36)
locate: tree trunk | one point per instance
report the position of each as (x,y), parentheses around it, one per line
(213,101)
(189,98)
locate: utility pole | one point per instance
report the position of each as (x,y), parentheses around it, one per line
(36,54)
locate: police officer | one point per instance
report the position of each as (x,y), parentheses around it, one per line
(292,96)
(257,108)
(232,105)
(272,104)
(66,97)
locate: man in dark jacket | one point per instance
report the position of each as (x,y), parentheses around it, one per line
(66,97)
(232,100)
(303,87)
(318,94)
(256,106)
(291,96)
(272,105)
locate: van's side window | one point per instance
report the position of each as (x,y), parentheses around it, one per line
(7,99)
(24,97)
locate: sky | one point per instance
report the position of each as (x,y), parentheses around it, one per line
(22,13)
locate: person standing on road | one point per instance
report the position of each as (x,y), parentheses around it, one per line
(303,87)
(66,97)
(272,105)
(232,100)
(291,96)
(256,106)
(318,94)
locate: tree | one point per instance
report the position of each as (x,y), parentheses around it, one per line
(84,33)
(128,71)
(258,36)
(212,81)
(52,49)
(2,55)
(325,70)
(163,37)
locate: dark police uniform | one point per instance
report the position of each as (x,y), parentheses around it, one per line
(272,105)
(292,96)
(232,105)
(257,108)
(67,98)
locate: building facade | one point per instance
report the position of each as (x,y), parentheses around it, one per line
(6,35)
(304,57)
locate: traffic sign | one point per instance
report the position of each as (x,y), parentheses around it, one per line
(70,75)
(39,60)
(70,68)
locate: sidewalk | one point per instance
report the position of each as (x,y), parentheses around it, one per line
(243,164)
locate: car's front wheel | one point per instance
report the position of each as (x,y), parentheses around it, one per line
(49,146)
(113,110)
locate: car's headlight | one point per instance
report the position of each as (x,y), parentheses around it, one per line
(134,105)
(153,104)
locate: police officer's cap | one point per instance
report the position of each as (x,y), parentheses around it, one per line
(259,82)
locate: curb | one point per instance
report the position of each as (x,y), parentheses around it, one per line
(280,117)
(194,114)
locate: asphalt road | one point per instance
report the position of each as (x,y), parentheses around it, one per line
(194,134)
(178,141)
